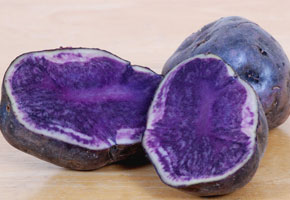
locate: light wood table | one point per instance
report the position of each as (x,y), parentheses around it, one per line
(146,33)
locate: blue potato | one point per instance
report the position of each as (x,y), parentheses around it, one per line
(77,108)
(253,53)
(206,131)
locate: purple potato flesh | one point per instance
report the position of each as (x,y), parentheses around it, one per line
(253,53)
(206,129)
(85,108)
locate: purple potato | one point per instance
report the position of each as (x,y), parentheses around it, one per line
(253,53)
(75,107)
(206,130)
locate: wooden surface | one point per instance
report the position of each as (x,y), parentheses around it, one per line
(146,33)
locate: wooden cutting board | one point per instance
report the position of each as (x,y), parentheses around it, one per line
(146,33)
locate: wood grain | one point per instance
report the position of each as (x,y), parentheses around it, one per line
(146,33)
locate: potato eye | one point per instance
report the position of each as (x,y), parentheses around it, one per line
(8,108)
(252,76)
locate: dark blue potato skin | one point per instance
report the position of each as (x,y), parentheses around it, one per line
(253,53)
(58,152)
(241,177)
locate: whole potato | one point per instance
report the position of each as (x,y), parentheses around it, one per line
(253,53)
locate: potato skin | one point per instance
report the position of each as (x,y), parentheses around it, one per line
(253,53)
(241,177)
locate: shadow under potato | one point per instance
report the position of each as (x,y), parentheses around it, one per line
(135,161)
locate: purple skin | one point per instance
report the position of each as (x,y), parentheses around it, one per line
(80,109)
(209,137)
(253,53)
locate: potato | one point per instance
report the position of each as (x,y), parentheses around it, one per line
(253,53)
(75,107)
(206,131)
